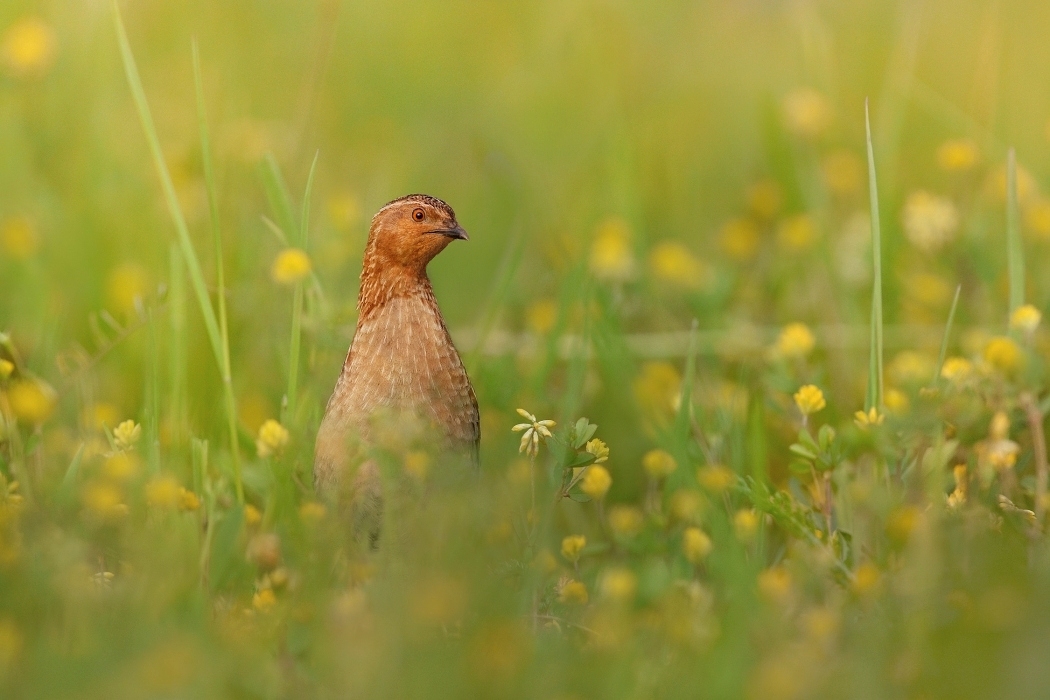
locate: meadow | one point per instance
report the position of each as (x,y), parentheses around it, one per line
(752,305)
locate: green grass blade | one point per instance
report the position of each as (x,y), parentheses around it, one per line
(947,335)
(1014,246)
(875,363)
(304,227)
(175,209)
(278,196)
(225,368)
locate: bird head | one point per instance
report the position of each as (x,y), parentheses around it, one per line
(410,231)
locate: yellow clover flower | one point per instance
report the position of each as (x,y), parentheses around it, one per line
(290,266)
(1003,354)
(611,256)
(127,434)
(696,545)
(599,449)
(619,585)
(795,342)
(869,418)
(571,547)
(957,155)
(32,401)
(673,263)
(957,369)
(596,481)
(28,47)
(810,400)
(807,113)
(572,592)
(273,437)
(659,464)
(1025,319)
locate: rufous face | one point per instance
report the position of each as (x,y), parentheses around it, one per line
(412,231)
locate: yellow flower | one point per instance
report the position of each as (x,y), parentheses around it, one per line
(126,286)
(6,369)
(843,172)
(902,521)
(796,233)
(673,263)
(32,400)
(795,342)
(611,256)
(909,367)
(1037,218)
(541,316)
(1025,319)
(807,113)
(716,478)
(571,547)
(252,516)
(696,545)
(929,221)
(810,400)
(764,199)
(104,501)
(865,420)
(264,600)
(659,464)
(957,155)
(18,238)
(273,437)
(188,501)
(28,47)
(958,497)
(896,401)
(596,481)
(535,431)
(745,524)
(572,592)
(774,584)
(599,449)
(127,434)
(625,520)
(619,585)
(656,388)
(1003,355)
(739,239)
(866,579)
(121,466)
(163,492)
(312,512)
(290,266)
(686,505)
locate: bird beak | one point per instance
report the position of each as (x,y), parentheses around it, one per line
(458,233)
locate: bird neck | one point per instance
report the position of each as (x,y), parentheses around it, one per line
(383,280)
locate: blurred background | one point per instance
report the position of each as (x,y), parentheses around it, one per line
(623,168)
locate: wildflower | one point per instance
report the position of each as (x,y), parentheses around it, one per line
(127,434)
(126,285)
(673,263)
(32,400)
(866,579)
(902,522)
(571,547)
(104,501)
(1003,355)
(1037,218)
(535,430)
(843,172)
(957,370)
(1025,319)
(611,257)
(657,387)
(417,463)
(774,584)
(291,265)
(795,342)
(273,437)
(18,238)
(596,481)
(865,420)
(929,221)
(659,464)
(599,449)
(626,520)
(28,47)
(541,316)
(739,239)
(343,209)
(686,505)
(810,400)
(163,492)
(716,478)
(998,453)
(764,199)
(796,232)
(958,497)
(745,524)
(909,368)
(957,155)
(896,402)
(312,512)
(6,369)
(572,592)
(619,585)
(252,516)
(264,600)
(188,500)
(807,113)
(696,545)
(121,466)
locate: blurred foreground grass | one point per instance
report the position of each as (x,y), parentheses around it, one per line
(747,510)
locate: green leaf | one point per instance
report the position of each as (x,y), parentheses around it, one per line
(803,451)
(826,436)
(799,467)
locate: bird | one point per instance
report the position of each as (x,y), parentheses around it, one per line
(401,361)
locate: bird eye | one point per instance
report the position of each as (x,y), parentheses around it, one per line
(418,214)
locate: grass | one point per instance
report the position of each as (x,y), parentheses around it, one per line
(662,256)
